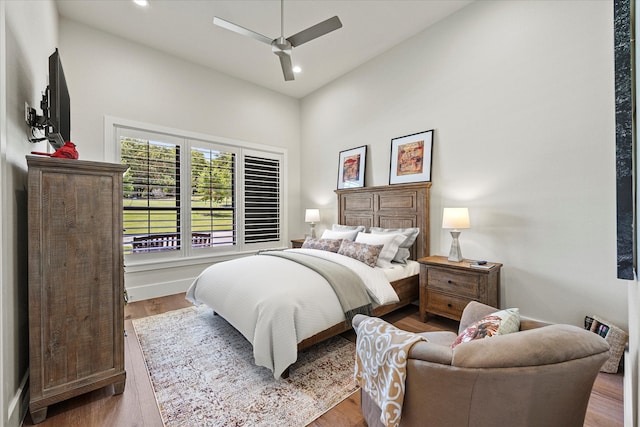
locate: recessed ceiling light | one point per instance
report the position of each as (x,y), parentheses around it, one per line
(297,69)
(143,3)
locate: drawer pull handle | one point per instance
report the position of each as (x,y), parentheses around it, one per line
(449,305)
(449,281)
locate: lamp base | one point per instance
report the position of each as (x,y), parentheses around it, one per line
(455,253)
(313,230)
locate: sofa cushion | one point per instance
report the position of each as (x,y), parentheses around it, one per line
(535,347)
(498,323)
(473,312)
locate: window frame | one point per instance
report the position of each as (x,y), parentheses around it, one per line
(187,255)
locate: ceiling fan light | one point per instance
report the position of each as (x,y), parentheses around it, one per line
(297,69)
(142,3)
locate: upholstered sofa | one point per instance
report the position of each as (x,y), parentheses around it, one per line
(540,376)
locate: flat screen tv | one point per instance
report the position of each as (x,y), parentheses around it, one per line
(59,112)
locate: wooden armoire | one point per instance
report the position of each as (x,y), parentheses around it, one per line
(76,279)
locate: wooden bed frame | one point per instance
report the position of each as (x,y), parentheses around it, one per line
(389,206)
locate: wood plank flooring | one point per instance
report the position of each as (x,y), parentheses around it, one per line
(136,407)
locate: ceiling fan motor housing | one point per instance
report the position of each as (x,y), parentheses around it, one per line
(281,46)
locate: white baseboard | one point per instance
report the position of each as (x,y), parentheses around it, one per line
(156,290)
(19,404)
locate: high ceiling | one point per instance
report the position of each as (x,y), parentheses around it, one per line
(184,28)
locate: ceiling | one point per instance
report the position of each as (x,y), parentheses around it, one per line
(184,28)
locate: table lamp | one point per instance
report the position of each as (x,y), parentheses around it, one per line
(455,219)
(312,216)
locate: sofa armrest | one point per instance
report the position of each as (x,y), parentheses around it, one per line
(436,352)
(431,352)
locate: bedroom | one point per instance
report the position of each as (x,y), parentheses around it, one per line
(524,138)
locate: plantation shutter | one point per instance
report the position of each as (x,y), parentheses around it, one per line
(212,198)
(151,195)
(262,182)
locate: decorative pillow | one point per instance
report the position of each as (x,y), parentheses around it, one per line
(340,227)
(410,235)
(390,242)
(346,234)
(360,251)
(331,245)
(499,323)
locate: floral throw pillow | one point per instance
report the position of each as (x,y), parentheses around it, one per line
(361,251)
(389,242)
(499,323)
(330,245)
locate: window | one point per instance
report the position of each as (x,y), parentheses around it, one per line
(185,197)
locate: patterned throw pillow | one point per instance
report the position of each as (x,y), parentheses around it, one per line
(390,243)
(361,251)
(331,245)
(499,323)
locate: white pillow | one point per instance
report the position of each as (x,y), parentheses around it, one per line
(391,244)
(410,235)
(345,235)
(340,227)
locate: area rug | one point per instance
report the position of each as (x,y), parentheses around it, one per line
(203,374)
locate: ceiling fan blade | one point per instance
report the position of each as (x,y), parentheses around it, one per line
(315,31)
(287,68)
(240,30)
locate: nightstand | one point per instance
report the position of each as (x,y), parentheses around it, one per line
(296,243)
(446,287)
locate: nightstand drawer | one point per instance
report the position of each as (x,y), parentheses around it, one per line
(446,305)
(456,282)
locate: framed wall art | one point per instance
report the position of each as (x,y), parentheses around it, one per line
(351,167)
(411,158)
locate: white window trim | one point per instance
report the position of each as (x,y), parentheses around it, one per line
(112,154)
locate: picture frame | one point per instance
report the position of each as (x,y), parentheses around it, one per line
(351,167)
(411,157)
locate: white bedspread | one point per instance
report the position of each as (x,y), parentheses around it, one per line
(276,303)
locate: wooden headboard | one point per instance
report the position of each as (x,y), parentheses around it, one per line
(389,206)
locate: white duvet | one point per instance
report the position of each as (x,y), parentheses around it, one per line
(276,303)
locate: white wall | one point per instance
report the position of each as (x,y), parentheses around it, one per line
(520,95)
(28,36)
(521,98)
(110,76)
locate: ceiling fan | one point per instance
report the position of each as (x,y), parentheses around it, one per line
(282,46)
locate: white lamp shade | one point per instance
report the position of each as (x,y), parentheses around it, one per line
(456,218)
(312,215)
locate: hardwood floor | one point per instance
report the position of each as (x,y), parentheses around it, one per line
(136,407)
